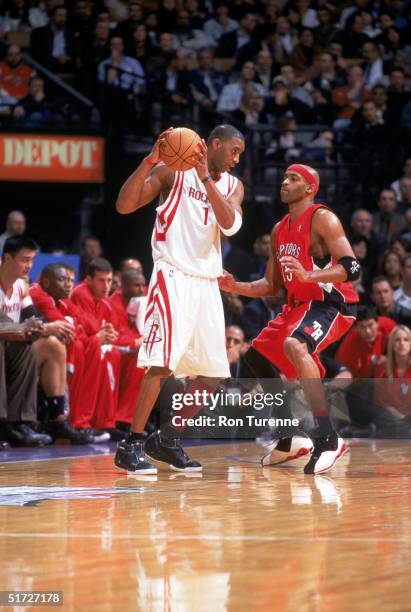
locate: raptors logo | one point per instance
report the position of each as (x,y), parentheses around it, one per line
(152,336)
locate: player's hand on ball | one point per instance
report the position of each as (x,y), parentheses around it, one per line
(293,266)
(226,282)
(202,163)
(154,156)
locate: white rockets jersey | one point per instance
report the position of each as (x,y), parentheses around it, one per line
(11,306)
(186,234)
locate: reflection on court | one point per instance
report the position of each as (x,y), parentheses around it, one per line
(238,537)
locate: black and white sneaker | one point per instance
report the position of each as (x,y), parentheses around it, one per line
(169,451)
(327,451)
(131,457)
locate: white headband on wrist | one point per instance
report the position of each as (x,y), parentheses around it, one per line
(237,223)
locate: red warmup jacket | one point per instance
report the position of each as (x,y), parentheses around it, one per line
(128,335)
(52,311)
(361,357)
(98,311)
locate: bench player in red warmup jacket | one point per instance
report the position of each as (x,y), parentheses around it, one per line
(312,258)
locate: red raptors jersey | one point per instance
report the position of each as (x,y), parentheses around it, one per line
(294,239)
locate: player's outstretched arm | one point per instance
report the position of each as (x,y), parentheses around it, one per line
(268,285)
(146,182)
(328,230)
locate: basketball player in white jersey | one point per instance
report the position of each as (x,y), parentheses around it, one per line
(184,330)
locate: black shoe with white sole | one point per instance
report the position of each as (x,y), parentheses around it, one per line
(170,451)
(327,451)
(131,457)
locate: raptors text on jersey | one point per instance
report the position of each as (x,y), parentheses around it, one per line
(294,239)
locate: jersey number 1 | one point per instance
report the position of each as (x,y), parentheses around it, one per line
(205,215)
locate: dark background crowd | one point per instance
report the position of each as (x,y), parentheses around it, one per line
(325,83)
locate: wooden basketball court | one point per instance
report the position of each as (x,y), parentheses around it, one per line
(239,537)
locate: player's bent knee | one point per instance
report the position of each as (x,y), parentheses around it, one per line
(295,349)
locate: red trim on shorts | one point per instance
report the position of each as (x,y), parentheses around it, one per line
(163,291)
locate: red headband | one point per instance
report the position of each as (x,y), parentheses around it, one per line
(306,174)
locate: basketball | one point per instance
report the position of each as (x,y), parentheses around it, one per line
(179,148)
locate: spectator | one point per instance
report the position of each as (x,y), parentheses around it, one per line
(206,85)
(261,253)
(36,109)
(141,47)
(167,15)
(406,172)
(94,48)
(230,97)
(405,194)
(233,309)
(236,347)
(326,31)
(283,104)
(187,37)
(294,89)
(402,296)
(353,37)
(401,246)
(231,42)
(387,223)
(373,65)
(286,39)
(197,14)
(90,249)
(15,16)
(52,45)
(392,387)
(361,350)
(308,16)
(171,85)
(15,74)
(263,40)
(250,110)
(303,56)
(15,226)
(161,55)
(391,268)
(350,97)
(382,294)
(264,69)
(221,23)
(126,28)
(119,69)
(397,95)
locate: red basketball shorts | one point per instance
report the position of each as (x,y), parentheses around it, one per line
(318,324)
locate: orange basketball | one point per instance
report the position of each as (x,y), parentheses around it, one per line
(178,149)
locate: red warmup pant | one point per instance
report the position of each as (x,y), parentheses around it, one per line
(107,398)
(129,388)
(84,357)
(94,385)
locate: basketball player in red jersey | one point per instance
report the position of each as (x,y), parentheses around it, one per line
(312,258)
(184,330)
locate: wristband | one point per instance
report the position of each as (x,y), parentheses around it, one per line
(206,178)
(237,223)
(149,163)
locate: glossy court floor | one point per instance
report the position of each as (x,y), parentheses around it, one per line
(237,538)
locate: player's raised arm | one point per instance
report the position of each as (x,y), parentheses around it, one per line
(268,285)
(330,232)
(146,182)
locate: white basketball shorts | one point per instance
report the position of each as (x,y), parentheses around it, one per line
(184,327)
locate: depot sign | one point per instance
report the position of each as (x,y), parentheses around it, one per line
(67,159)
